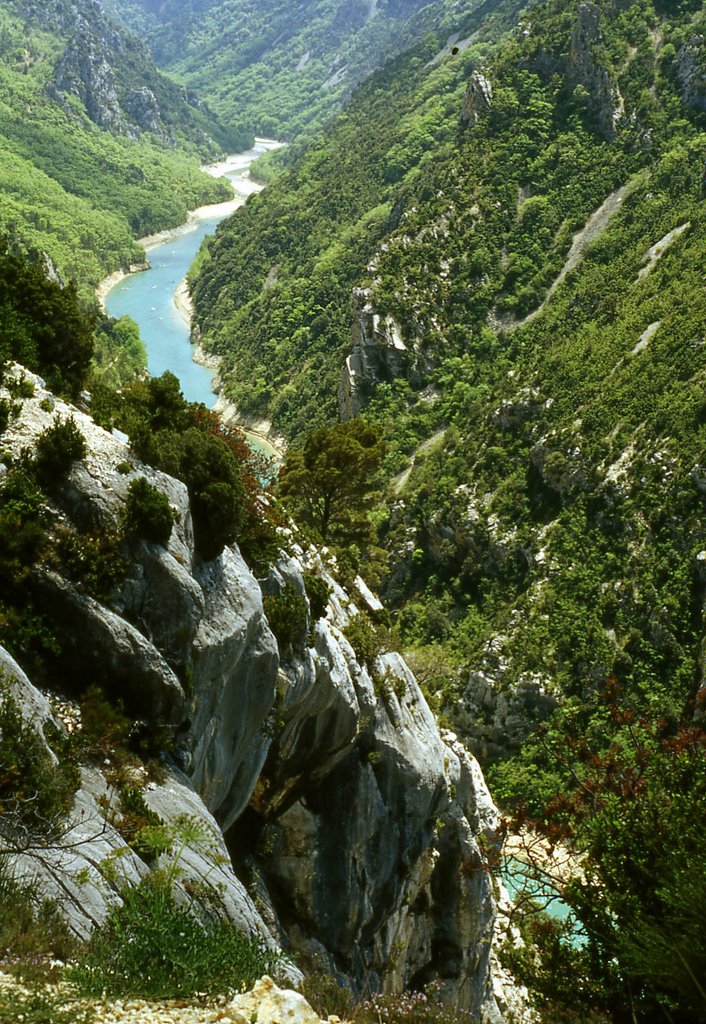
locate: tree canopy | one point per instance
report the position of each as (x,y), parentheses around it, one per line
(328,484)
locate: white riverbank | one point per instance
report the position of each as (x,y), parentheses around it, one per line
(259,430)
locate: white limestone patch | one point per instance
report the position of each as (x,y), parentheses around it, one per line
(648,333)
(657,251)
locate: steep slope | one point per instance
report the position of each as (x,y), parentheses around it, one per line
(521,309)
(97,147)
(274,289)
(265,738)
(526,325)
(279,67)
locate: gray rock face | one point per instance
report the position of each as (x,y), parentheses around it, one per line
(142,109)
(98,644)
(365,823)
(358,825)
(235,662)
(583,70)
(691,72)
(496,717)
(84,71)
(478,98)
(378,353)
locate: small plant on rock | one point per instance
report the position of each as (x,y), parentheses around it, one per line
(58,447)
(148,513)
(286,614)
(153,946)
(318,591)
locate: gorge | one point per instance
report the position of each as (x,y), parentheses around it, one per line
(470,300)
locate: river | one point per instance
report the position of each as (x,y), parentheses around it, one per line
(148,296)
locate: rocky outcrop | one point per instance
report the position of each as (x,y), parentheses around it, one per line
(691,72)
(582,69)
(378,353)
(478,98)
(142,109)
(357,825)
(496,716)
(86,868)
(112,75)
(396,894)
(84,71)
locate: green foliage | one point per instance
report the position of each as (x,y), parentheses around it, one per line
(72,189)
(148,513)
(92,559)
(120,353)
(40,1008)
(23,523)
(632,812)
(285,75)
(31,931)
(105,731)
(57,448)
(367,639)
(328,997)
(328,484)
(35,793)
(287,615)
(221,471)
(42,324)
(151,947)
(318,591)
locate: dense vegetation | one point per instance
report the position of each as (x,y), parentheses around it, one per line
(78,190)
(544,421)
(541,398)
(273,295)
(280,69)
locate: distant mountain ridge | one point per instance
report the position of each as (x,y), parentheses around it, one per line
(97,147)
(275,66)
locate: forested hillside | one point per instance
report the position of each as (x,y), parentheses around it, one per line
(278,67)
(498,258)
(96,147)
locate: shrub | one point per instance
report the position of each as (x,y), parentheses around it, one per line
(23,522)
(58,447)
(328,997)
(38,1008)
(105,730)
(367,640)
(148,513)
(5,413)
(318,591)
(286,614)
(35,793)
(151,947)
(92,559)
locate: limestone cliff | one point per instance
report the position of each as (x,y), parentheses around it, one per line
(113,76)
(346,825)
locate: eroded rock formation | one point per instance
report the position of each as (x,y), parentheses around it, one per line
(357,827)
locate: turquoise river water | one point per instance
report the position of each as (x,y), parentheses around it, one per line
(148,296)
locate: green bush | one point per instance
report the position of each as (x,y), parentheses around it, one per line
(148,513)
(92,559)
(58,447)
(153,948)
(5,413)
(367,640)
(318,591)
(35,793)
(30,927)
(286,615)
(23,522)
